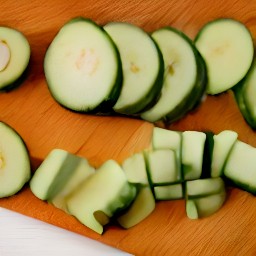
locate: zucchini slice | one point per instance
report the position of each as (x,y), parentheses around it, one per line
(14,161)
(15,55)
(82,67)
(227,48)
(142,65)
(223,143)
(168,192)
(180,93)
(204,206)
(204,187)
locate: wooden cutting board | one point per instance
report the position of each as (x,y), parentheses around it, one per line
(45,125)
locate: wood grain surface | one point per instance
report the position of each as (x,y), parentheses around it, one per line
(45,125)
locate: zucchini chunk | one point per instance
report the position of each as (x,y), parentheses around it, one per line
(204,187)
(192,149)
(143,205)
(15,168)
(227,48)
(180,93)
(142,64)
(241,166)
(168,192)
(244,94)
(101,196)
(168,139)
(15,56)
(204,206)
(162,167)
(83,68)
(135,169)
(56,175)
(223,143)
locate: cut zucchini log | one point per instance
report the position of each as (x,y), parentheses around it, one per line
(227,48)
(14,161)
(101,196)
(241,166)
(82,67)
(143,67)
(180,93)
(14,57)
(58,175)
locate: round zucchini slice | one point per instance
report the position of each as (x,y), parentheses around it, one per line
(227,48)
(184,79)
(14,57)
(14,161)
(82,67)
(142,64)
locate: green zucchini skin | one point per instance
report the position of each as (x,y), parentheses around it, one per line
(105,107)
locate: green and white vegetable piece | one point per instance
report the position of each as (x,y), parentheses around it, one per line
(82,67)
(241,166)
(184,79)
(227,48)
(142,65)
(101,196)
(14,161)
(58,175)
(14,57)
